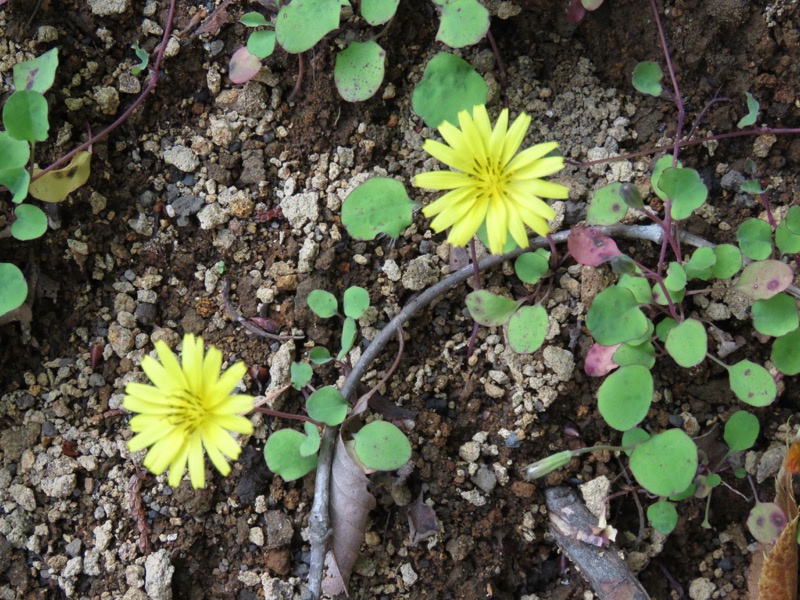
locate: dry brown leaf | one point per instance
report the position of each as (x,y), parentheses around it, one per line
(422,522)
(784,492)
(778,579)
(350,503)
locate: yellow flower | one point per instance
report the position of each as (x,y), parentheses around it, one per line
(490,183)
(189,408)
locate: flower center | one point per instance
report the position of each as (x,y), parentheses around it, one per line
(189,412)
(491,177)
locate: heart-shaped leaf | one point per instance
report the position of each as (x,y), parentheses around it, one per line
(687,343)
(282,453)
(615,317)
(607,206)
(625,397)
(13,288)
(324,304)
(327,405)
(489,309)
(666,463)
(741,431)
(381,446)
(752,383)
(448,86)
(303,23)
(359,70)
(379,205)
(30,222)
(355,301)
(527,329)
(463,22)
(686,190)
(647,78)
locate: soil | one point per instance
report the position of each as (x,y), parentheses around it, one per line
(141,253)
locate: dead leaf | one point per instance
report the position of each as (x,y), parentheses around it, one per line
(56,185)
(350,503)
(784,492)
(422,522)
(778,579)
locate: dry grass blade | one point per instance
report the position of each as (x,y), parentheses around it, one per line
(778,579)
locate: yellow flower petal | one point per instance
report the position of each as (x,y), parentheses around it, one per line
(236,404)
(443,180)
(192,362)
(234,423)
(197,470)
(452,158)
(156,372)
(529,156)
(227,382)
(171,364)
(514,138)
(212,363)
(144,392)
(177,468)
(219,462)
(492,181)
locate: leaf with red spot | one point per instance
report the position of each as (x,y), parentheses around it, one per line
(588,246)
(764,279)
(599,360)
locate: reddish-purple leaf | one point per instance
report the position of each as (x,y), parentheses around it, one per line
(599,360)
(244,66)
(575,11)
(590,247)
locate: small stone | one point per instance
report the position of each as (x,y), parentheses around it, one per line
(276,589)
(249,578)
(420,273)
(595,493)
(523,489)
(286,283)
(701,589)
(485,479)
(23,496)
(128,84)
(256,536)
(158,575)
(279,529)
(460,547)
(408,575)
(182,158)
(145,314)
(121,339)
(392,270)
(279,561)
(212,216)
(470,451)
(60,486)
(770,462)
(47,33)
(107,99)
(301,208)
(104,8)
(73,568)
(306,256)
(494,391)
(560,361)
(98,203)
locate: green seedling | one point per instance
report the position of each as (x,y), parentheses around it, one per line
(142,56)
(359,70)
(647,78)
(378,446)
(463,22)
(752,112)
(26,121)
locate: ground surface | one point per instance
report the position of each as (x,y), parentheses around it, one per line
(182,198)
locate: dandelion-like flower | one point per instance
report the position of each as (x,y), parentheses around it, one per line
(491,182)
(189,408)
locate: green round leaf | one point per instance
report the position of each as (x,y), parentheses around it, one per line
(637,435)
(13,288)
(625,397)
(755,239)
(463,22)
(763,279)
(319,355)
(662,164)
(792,219)
(615,317)
(665,464)
(323,303)
(662,516)
(13,153)
(640,354)
(348,337)
(282,453)
(38,74)
(530,267)
(687,343)
(30,223)
(377,12)
(647,78)
(25,116)
(787,241)
(786,353)
(489,309)
(300,373)
(675,281)
(701,264)
(685,188)
(766,522)
(638,286)
(622,264)
(327,405)
(752,111)
(359,70)
(381,446)
(379,205)
(261,44)
(356,301)
(729,261)
(527,329)
(752,186)
(253,19)
(775,316)
(17,180)
(311,444)
(607,206)
(752,383)
(448,86)
(303,23)
(664,327)
(741,431)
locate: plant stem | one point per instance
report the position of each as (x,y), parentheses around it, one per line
(151,85)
